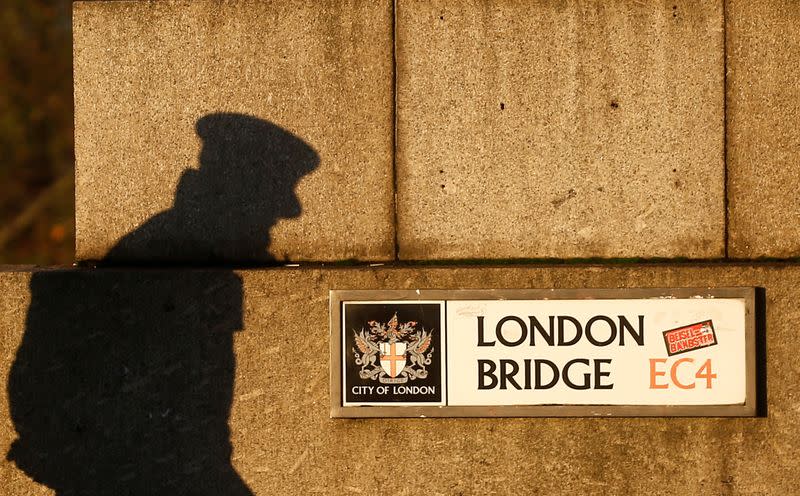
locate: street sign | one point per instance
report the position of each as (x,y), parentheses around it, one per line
(468,353)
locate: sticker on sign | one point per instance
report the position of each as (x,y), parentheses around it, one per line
(691,337)
(542,352)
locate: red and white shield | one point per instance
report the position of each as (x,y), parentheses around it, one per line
(393,358)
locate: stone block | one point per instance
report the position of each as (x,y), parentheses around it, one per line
(763,50)
(239,132)
(556,129)
(216,381)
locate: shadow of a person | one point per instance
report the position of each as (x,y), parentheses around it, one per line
(224,210)
(123,381)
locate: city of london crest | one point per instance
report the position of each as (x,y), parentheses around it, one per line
(393,352)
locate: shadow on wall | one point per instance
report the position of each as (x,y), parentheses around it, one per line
(123,381)
(224,210)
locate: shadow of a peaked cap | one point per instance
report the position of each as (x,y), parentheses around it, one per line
(225,207)
(246,151)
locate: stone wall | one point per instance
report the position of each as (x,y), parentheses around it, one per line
(437,130)
(212,135)
(283,441)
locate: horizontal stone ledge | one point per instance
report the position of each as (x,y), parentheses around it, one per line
(142,378)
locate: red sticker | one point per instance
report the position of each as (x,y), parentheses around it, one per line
(691,337)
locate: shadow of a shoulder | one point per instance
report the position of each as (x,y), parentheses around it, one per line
(123,382)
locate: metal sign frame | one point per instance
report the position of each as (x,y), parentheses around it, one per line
(338,410)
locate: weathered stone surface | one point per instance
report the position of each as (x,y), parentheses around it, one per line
(763,128)
(274,376)
(553,129)
(221,112)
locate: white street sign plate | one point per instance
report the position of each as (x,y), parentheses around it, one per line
(626,352)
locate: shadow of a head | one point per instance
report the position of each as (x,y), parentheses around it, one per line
(224,209)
